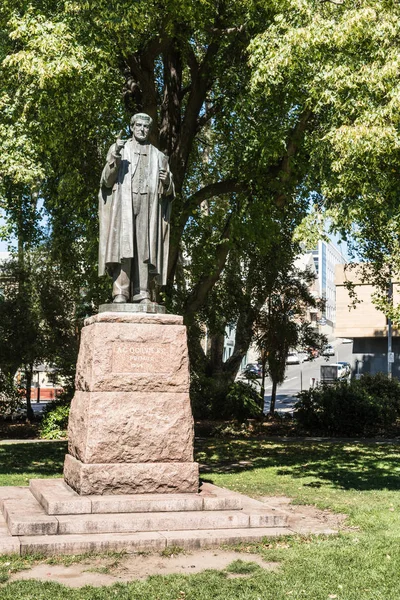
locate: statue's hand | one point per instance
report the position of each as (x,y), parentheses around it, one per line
(120,143)
(164,177)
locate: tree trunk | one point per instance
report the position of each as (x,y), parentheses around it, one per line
(263,375)
(216,353)
(273,398)
(28,377)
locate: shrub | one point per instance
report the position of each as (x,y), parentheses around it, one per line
(10,398)
(242,402)
(206,394)
(365,407)
(54,424)
(381,387)
(218,398)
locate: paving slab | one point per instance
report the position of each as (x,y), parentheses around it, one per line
(261,514)
(213,502)
(31,530)
(145,503)
(264,518)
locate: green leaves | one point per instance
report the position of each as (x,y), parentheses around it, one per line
(342,64)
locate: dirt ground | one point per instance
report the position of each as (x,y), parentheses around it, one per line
(106,570)
(308,519)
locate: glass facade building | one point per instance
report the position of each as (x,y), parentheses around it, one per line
(326,256)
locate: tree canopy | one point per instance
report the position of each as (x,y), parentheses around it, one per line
(263,108)
(339,65)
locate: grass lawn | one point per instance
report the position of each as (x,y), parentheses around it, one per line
(361,480)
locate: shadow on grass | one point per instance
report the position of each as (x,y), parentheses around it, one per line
(357,466)
(345,465)
(43,459)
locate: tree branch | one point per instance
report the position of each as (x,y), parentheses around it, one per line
(219,31)
(206,282)
(218,188)
(170,114)
(185,90)
(192,62)
(284,169)
(201,82)
(209,113)
(141,66)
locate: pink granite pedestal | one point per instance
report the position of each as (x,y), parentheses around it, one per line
(131,427)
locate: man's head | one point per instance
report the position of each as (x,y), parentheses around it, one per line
(140,126)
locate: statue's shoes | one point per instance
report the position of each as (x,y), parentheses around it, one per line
(119,299)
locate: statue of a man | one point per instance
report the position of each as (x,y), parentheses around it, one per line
(136,190)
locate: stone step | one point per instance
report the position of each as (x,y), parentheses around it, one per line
(26,517)
(148,541)
(22,521)
(58,498)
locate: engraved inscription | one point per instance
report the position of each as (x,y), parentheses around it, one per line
(141,357)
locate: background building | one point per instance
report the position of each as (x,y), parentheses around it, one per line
(306,262)
(365,324)
(326,256)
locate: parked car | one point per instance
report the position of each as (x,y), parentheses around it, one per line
(345,366)
(328,350)
(293,358)
(333,372)
(252,371)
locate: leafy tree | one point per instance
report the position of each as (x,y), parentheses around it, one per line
(37,319)
(338,66)
(282,325)
(187,67)
(257,103)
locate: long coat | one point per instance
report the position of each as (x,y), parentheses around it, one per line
(116,240)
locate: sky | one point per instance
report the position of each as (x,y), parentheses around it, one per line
(3,245)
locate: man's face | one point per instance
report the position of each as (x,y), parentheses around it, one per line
(141,130)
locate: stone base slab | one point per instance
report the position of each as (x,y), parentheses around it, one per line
(143,522)
(57,498)
(27,518)
(129,307)
(122,316)
(131,478)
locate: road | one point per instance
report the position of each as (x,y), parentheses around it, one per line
(300,377)
(37,407)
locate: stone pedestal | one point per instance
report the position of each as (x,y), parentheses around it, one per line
(131,427)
